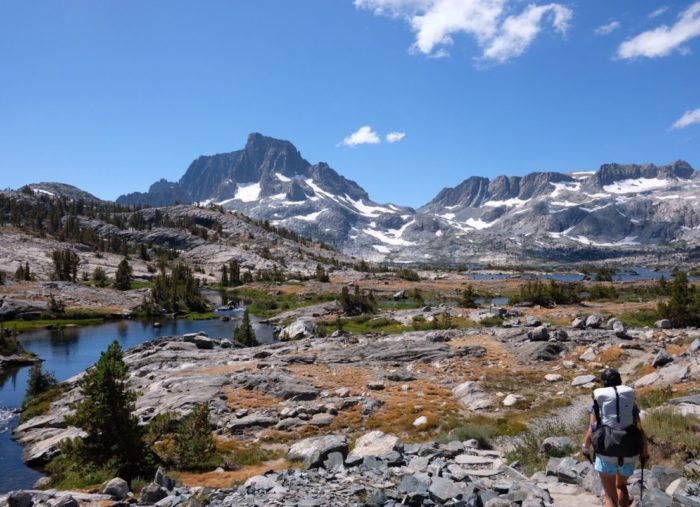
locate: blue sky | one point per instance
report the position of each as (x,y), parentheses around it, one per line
(113,95)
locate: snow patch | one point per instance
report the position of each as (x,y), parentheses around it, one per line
(448,216)
(479,224)
(282,177)
(438,234)
(389,240)
(311,217)
(508,202)
(381,249)
(636,185)
(247,193)
(42,191)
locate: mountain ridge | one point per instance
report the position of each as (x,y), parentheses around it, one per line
(630,207)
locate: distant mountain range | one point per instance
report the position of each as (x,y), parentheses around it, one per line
(619,210)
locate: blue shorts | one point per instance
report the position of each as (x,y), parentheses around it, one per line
(610,466)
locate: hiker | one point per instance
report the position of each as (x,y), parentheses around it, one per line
(616,434)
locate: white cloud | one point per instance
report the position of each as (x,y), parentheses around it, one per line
(608,28)
(395,137)
(364,135)
(688,118)
(662,41)
(658,12)
(518,32)
(500,34)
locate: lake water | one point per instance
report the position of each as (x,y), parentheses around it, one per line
(632,274)
(69,351)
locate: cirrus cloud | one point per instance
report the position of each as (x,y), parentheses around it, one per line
(664,40)
(499,32)
(395,137)
(689,118)
(607,28)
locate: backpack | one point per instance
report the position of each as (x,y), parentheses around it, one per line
(616,434)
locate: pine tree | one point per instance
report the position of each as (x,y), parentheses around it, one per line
(39,381)
(194,442)
(321,274)
(114,438)
(122,280)
(244,333)
(65,265)
(235,272)
(469,298)
(224,275)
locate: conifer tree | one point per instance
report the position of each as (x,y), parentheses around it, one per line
(224,275)
(194,442)
(114,438)
(39,381)
(244,333)
(122,280)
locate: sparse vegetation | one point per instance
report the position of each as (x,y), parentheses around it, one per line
(547,293)
(194,444)
(673,436)
(358,303)
(683,308)
(65,265)
(244,333)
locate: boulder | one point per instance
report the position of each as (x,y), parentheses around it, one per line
(117,488)
(583,380)
(694,347)
(442,489)
(203,342)
(664,476)
(300,328)
(532,321)
(67,501)
(578,323)
(556,446)
(376,444)
(153,493)
(20,499)
(559,335)
(472,396)
(163,480)
(594,321)
(663,324)
(541,351)
(511,400)
(662,358)
(617,327)
(539,334)
(313,451)
(553,377)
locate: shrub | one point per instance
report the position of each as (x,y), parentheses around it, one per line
(99,276)
(408,274)
(548,293)
(683,309)
(357,303)
(194,445)
(39,381)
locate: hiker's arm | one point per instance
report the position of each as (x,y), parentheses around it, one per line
(589,433)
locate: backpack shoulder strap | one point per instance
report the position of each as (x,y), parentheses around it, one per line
(596,409)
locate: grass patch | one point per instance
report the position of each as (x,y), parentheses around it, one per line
(235,454)
(651,398)
(481,428)
(199,316)
(639,318)
(141,284)
(527,449)
(491,322)
(39,405)
(74,317)
(265,305)
(674,437)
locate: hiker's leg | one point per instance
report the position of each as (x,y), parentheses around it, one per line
(610,488)
(622,493)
